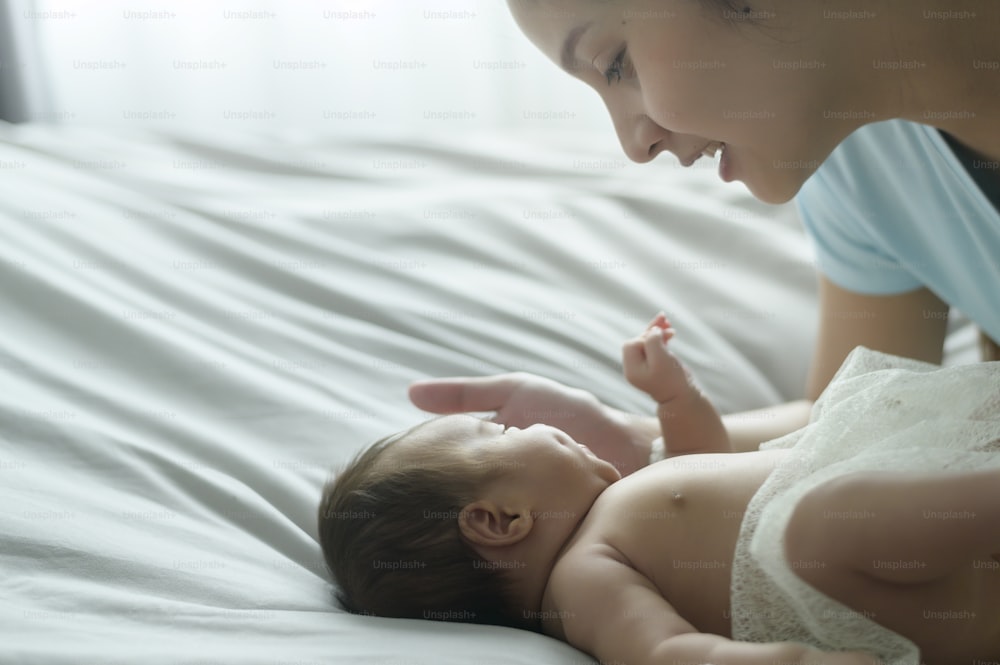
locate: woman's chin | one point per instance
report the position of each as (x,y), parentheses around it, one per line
(777,189)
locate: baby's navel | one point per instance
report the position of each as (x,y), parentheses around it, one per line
(677,497)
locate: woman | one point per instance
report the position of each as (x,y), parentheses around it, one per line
(884,122)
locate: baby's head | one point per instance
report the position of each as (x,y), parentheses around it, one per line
(457,519)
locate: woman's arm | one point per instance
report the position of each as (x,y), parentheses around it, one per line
(748,429)
(521,399)
(911,324)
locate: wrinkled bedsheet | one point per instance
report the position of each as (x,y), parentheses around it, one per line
(197,325)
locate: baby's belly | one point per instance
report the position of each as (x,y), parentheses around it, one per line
(694,506)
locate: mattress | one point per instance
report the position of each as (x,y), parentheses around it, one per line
(199,324)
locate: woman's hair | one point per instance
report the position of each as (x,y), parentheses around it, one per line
(732,11)
(391,540)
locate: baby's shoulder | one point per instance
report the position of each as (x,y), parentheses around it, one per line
(595,597)
(583,574)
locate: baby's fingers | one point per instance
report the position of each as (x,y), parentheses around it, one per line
(655,349)
(634,362)
(634,352)
(660,321)
(662,335)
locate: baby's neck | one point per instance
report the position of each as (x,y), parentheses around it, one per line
(548,614)
(529,565)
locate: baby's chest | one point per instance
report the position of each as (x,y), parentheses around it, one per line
(682,526)
(685,509)
(680,534)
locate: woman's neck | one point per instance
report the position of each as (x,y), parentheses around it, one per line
(936,62)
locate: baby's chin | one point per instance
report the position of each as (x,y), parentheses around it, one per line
(601,468)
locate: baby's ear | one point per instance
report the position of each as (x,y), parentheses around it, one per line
(485,523)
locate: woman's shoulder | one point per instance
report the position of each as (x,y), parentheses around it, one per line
(894,209)
(886,180)
(883,151)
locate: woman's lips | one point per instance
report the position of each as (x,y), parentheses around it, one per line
(710,150)
(726,165)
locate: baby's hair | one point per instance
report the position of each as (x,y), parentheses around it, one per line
(391,540)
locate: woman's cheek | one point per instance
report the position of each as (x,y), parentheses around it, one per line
(679,112)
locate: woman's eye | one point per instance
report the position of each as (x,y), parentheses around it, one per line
(617,68)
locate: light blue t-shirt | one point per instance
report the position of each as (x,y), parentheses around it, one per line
(893,209)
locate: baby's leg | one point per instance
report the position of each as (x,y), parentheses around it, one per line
(917,553)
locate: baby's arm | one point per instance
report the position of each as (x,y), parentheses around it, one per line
(689,422)
(613,612)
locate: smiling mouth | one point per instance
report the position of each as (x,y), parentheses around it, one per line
(713,148)
(710,150)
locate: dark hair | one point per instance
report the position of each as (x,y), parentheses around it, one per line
(736,12)
(391,540)
(732,11)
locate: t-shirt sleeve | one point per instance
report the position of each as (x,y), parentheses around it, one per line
(837,213)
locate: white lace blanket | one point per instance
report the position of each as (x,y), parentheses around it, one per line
(879,412)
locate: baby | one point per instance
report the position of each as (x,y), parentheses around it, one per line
(464,519)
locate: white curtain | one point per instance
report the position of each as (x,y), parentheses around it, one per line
(24,87)
(348,66)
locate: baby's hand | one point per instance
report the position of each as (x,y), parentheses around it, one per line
(650,367)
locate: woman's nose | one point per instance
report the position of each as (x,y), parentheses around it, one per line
(641,138)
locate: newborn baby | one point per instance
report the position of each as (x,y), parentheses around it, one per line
(462,519)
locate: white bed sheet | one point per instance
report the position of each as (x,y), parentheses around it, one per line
(197,326)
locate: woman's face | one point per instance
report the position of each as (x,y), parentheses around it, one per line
(686,75)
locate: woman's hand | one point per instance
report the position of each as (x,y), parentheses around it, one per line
(521,399)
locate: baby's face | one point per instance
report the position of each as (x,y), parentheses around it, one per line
(540,462)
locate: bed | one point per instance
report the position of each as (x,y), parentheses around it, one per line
(199,324)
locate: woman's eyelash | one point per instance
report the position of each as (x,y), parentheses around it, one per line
(615,70)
